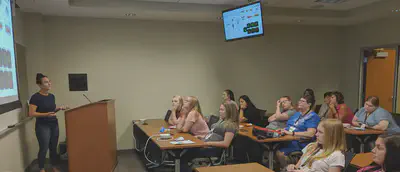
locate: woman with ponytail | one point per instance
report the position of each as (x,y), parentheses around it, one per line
(326,154)
(42,106)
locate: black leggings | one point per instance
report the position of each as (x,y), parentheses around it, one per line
(47,134)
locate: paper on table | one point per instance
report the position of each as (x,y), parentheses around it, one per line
(181,142)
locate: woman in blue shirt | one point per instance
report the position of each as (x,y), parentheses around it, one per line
(302,124)
(42,105)
(375,117)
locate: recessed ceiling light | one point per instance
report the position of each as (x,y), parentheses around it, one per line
(130,14)
(317,6)
(299,21)
(331,1)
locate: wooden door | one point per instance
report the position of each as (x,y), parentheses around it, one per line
(380,77)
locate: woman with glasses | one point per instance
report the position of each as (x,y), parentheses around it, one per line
(302,124)
(284,110)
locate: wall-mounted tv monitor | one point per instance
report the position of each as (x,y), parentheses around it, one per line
(243,22)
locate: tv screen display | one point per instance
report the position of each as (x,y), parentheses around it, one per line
(243,22)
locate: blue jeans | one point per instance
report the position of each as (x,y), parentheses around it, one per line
(47,134)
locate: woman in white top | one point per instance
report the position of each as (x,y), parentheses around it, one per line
(326,154)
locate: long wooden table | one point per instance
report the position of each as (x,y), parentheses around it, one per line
(152,129)
(235,168)
(270,144)
(362,135)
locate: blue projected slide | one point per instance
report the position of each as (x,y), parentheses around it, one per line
(8,72)
(243,22)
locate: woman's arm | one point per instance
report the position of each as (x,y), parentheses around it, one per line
(309,133)
(33,113)
(188,122)
(332,113)
(282,117)
(382,125)
(355,121)
(335,169)
(342,112)
(225,143)
(172,118)
(241,116)
(62,108)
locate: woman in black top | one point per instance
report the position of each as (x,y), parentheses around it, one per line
(42,105)
(248,112)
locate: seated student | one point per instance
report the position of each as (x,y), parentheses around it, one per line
(385,154)
(339,110)
(309,92)
(375,117)
(323,111)
(220,136)
(175,112)
(229,97)
(302,124)
(192,119)
(248,112)
(284,110)
(326,154)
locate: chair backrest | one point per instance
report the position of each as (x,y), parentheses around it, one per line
(166,118)
(212,120)
(264,118)
(317,108)
(396,117)
(348,156)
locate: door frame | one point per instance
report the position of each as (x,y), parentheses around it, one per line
(361,89)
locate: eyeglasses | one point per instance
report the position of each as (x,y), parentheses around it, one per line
(302,101)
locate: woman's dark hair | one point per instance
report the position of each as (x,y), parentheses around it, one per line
(392,144)
(39,77)
(230,94)
(329,93)
(374,100)
(248,101)
(309,91)
(339,97)
(310,99)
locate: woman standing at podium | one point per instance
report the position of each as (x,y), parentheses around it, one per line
(42,105)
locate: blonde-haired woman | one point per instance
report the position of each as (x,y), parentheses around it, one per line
(220,136)
(192,119)
(222,133)
(326,154)
(175,112)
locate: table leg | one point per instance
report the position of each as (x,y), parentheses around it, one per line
(271,159)
(177,156)
(177,165)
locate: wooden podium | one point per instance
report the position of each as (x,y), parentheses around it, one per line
(91,137)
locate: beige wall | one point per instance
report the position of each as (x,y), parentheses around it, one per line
(143,64)
(376,33)
(19,147)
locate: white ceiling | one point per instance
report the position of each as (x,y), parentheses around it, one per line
(275,11)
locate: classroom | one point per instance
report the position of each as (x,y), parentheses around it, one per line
(100,85)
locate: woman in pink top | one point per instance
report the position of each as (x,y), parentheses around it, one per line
(339,110)
(192,120)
